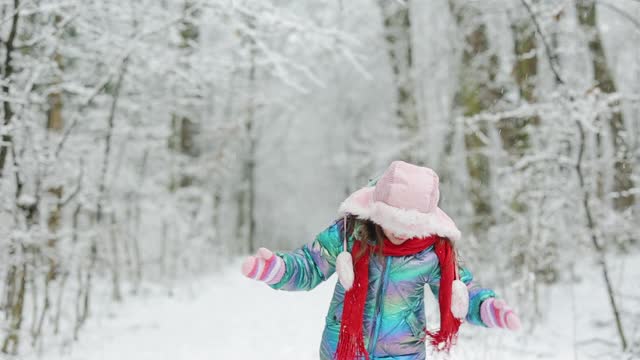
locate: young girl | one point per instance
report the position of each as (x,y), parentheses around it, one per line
(391,240)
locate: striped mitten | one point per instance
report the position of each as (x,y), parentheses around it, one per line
(265,266)
(496,313)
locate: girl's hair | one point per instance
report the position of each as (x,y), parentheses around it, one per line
(369,234)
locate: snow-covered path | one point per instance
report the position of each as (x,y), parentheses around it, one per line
(216,319)
(229,317)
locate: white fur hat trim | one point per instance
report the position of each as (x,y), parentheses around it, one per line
(401,222)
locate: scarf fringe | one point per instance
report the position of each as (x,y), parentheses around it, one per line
(447,335)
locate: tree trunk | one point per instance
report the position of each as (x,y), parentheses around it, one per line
(475,95)
(246,222)
(250,164)
(55,122)
(102,188)
(7,71)
(397,33)
(600,251)
(623,162)
(184,128)
(115,261)
(12,340)
(137,218)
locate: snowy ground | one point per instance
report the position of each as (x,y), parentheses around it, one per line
(229,317)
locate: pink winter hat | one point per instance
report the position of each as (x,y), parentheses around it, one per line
(404,201)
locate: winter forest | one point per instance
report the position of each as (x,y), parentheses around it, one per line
(148,145)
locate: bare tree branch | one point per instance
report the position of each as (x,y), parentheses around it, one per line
(553,59)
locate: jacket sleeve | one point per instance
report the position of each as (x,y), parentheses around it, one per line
(313,263)
(477,294)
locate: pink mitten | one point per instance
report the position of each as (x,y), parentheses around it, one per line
(265,266)
(496,313)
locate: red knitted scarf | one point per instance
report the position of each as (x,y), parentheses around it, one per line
(351,341)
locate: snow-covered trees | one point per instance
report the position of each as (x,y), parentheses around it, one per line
(125,125)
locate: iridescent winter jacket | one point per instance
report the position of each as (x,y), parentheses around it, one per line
(394,316)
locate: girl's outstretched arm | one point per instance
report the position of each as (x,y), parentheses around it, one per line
(484,308)
(301,269)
